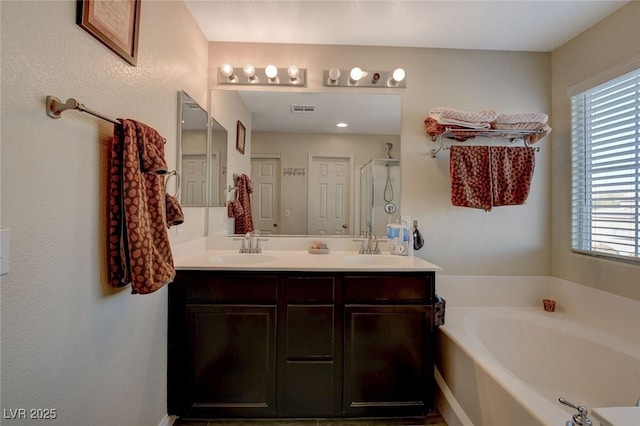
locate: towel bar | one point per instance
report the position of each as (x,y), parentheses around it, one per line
(55,108)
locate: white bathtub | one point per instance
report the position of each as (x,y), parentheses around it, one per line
(509,365)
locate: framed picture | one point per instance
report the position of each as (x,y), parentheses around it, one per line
(240,136)
(115,23)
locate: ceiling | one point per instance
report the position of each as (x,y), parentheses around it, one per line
(516,25)
(521,25)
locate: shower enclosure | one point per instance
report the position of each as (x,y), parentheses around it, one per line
(379,195)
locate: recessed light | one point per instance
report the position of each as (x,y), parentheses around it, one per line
(341,125)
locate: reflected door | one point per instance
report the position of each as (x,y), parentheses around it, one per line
(265,205)
(329,195)
(194,180)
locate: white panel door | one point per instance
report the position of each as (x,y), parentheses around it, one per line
(194,180)
(329,195)
(265,203)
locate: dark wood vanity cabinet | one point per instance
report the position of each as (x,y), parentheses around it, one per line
(388,356)
(280,344)
(222,345)
(310,352)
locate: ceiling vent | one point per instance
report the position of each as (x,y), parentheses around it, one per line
(303,109)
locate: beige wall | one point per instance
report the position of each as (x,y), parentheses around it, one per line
(609,43)
(506,241)
(96,355)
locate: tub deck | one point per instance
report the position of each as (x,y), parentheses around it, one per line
(506,364)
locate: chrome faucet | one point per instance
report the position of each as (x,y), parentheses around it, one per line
(257,248)
(249,237)
(371,238)
(369,243)
(579,419)
(243,248)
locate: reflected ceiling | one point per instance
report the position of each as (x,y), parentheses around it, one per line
(365,113)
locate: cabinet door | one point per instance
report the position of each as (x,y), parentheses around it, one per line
(387,360)
(231,360)
(310,382)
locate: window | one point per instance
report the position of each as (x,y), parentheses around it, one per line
(606,169)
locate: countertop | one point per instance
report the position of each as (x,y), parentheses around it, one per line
(301,260)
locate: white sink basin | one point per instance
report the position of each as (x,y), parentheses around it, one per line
(378,259)
(242,259)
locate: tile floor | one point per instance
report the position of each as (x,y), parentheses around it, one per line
(432,419)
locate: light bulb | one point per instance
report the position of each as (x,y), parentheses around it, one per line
(356,74)
(396,77)
(334,75)
(271,72)
(249,70)
(293,72)
(398,74)
(341,124)
(226,70)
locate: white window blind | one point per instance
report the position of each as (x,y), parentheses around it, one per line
(606,169)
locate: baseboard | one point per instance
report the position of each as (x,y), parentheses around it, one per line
(447,404)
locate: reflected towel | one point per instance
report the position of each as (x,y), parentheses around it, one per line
(234,209)
(244,222)
(174,213)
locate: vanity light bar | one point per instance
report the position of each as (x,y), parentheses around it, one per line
(356,77)
(267,76)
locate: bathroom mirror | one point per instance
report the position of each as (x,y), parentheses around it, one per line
(193,167)
(306,171)
(218,165)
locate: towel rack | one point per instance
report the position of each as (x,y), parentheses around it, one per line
(55,108)
(513,135)
(235,183)
(177,175)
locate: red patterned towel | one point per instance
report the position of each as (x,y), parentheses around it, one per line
(511,174)
(139,251)
(483,177)
(470,173)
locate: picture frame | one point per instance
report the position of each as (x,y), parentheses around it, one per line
(240,137)
(116,24)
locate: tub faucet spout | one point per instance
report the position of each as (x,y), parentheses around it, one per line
(581,418)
